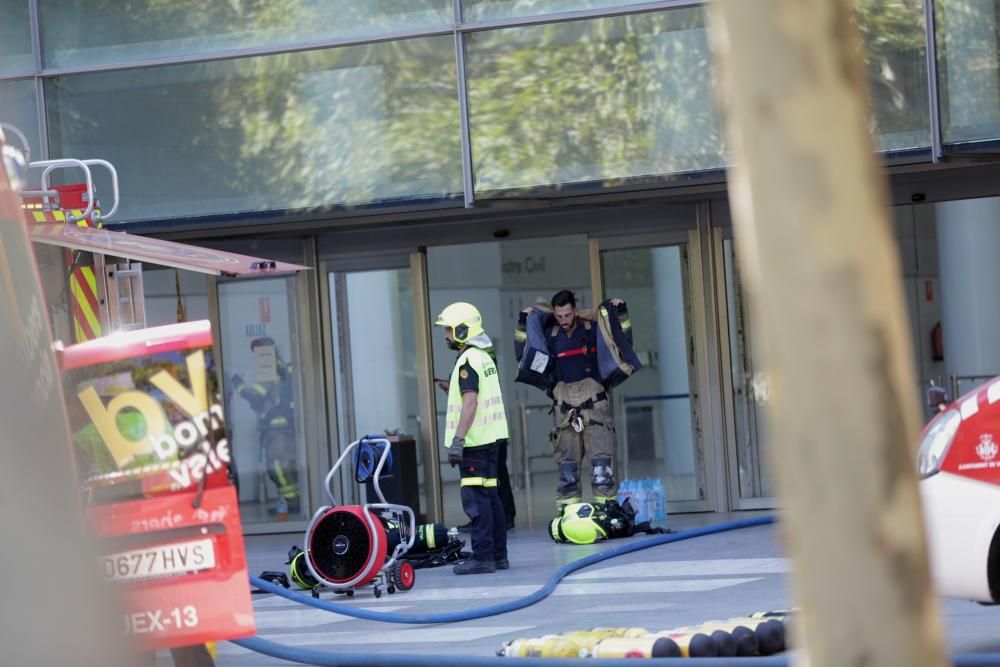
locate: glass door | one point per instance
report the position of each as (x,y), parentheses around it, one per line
(747,385)
(501,278)
(262,380)
(657,410)
(374,371)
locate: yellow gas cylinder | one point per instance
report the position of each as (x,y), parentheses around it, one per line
(549,646)
(622,632)
(636,647)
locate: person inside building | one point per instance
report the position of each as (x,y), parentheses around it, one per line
(272,399)
(475,424)
(575,358)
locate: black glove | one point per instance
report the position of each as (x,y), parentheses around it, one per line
(238,380)
(455,451)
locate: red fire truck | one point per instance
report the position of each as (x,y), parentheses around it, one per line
(145,414)
(153,462)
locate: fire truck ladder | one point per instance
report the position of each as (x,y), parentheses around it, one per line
(116,287)
(105,296)
(123,287)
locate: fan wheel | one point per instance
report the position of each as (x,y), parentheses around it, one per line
(403,575)
(340,546)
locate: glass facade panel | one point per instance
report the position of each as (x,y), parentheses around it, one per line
(262,380)
(18,107)
(654,411)
(172,295)
(968,41)
(15,38)
(106,31)
(597,100)
(896,62)
(343,126)
(375,356)
(501,278)
(488,10)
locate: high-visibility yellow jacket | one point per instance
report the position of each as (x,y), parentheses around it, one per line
(490,422)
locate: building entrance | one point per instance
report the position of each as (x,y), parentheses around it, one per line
(657,412)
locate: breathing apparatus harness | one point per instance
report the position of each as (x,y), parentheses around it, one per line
(574,413)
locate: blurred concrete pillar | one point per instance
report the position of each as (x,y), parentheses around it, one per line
(53,608)
(968,234)
(823,275)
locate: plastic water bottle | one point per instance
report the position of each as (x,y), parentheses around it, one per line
(660,510)
(281,510)
(639,501)
(650,499)
(625,491)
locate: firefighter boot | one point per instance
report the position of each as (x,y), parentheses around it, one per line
(473,566)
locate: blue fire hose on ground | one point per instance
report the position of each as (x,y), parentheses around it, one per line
(512,605)
(327,659)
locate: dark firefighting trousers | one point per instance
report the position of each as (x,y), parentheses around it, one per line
(481,502)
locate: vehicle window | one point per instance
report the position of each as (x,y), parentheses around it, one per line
(146,425)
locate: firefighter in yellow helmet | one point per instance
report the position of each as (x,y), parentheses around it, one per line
(475,424)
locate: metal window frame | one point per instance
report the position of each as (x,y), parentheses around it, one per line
(468,183)
(40,107)
(933,83)
(425,385)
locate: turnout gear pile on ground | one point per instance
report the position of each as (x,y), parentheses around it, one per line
(584,523)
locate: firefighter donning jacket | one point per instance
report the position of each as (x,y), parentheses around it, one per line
(273,403)
(575,357)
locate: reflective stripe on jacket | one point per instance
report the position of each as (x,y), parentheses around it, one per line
(490,422)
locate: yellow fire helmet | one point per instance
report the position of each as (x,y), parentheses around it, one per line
(463,319)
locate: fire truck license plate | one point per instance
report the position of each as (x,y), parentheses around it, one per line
(160,561)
